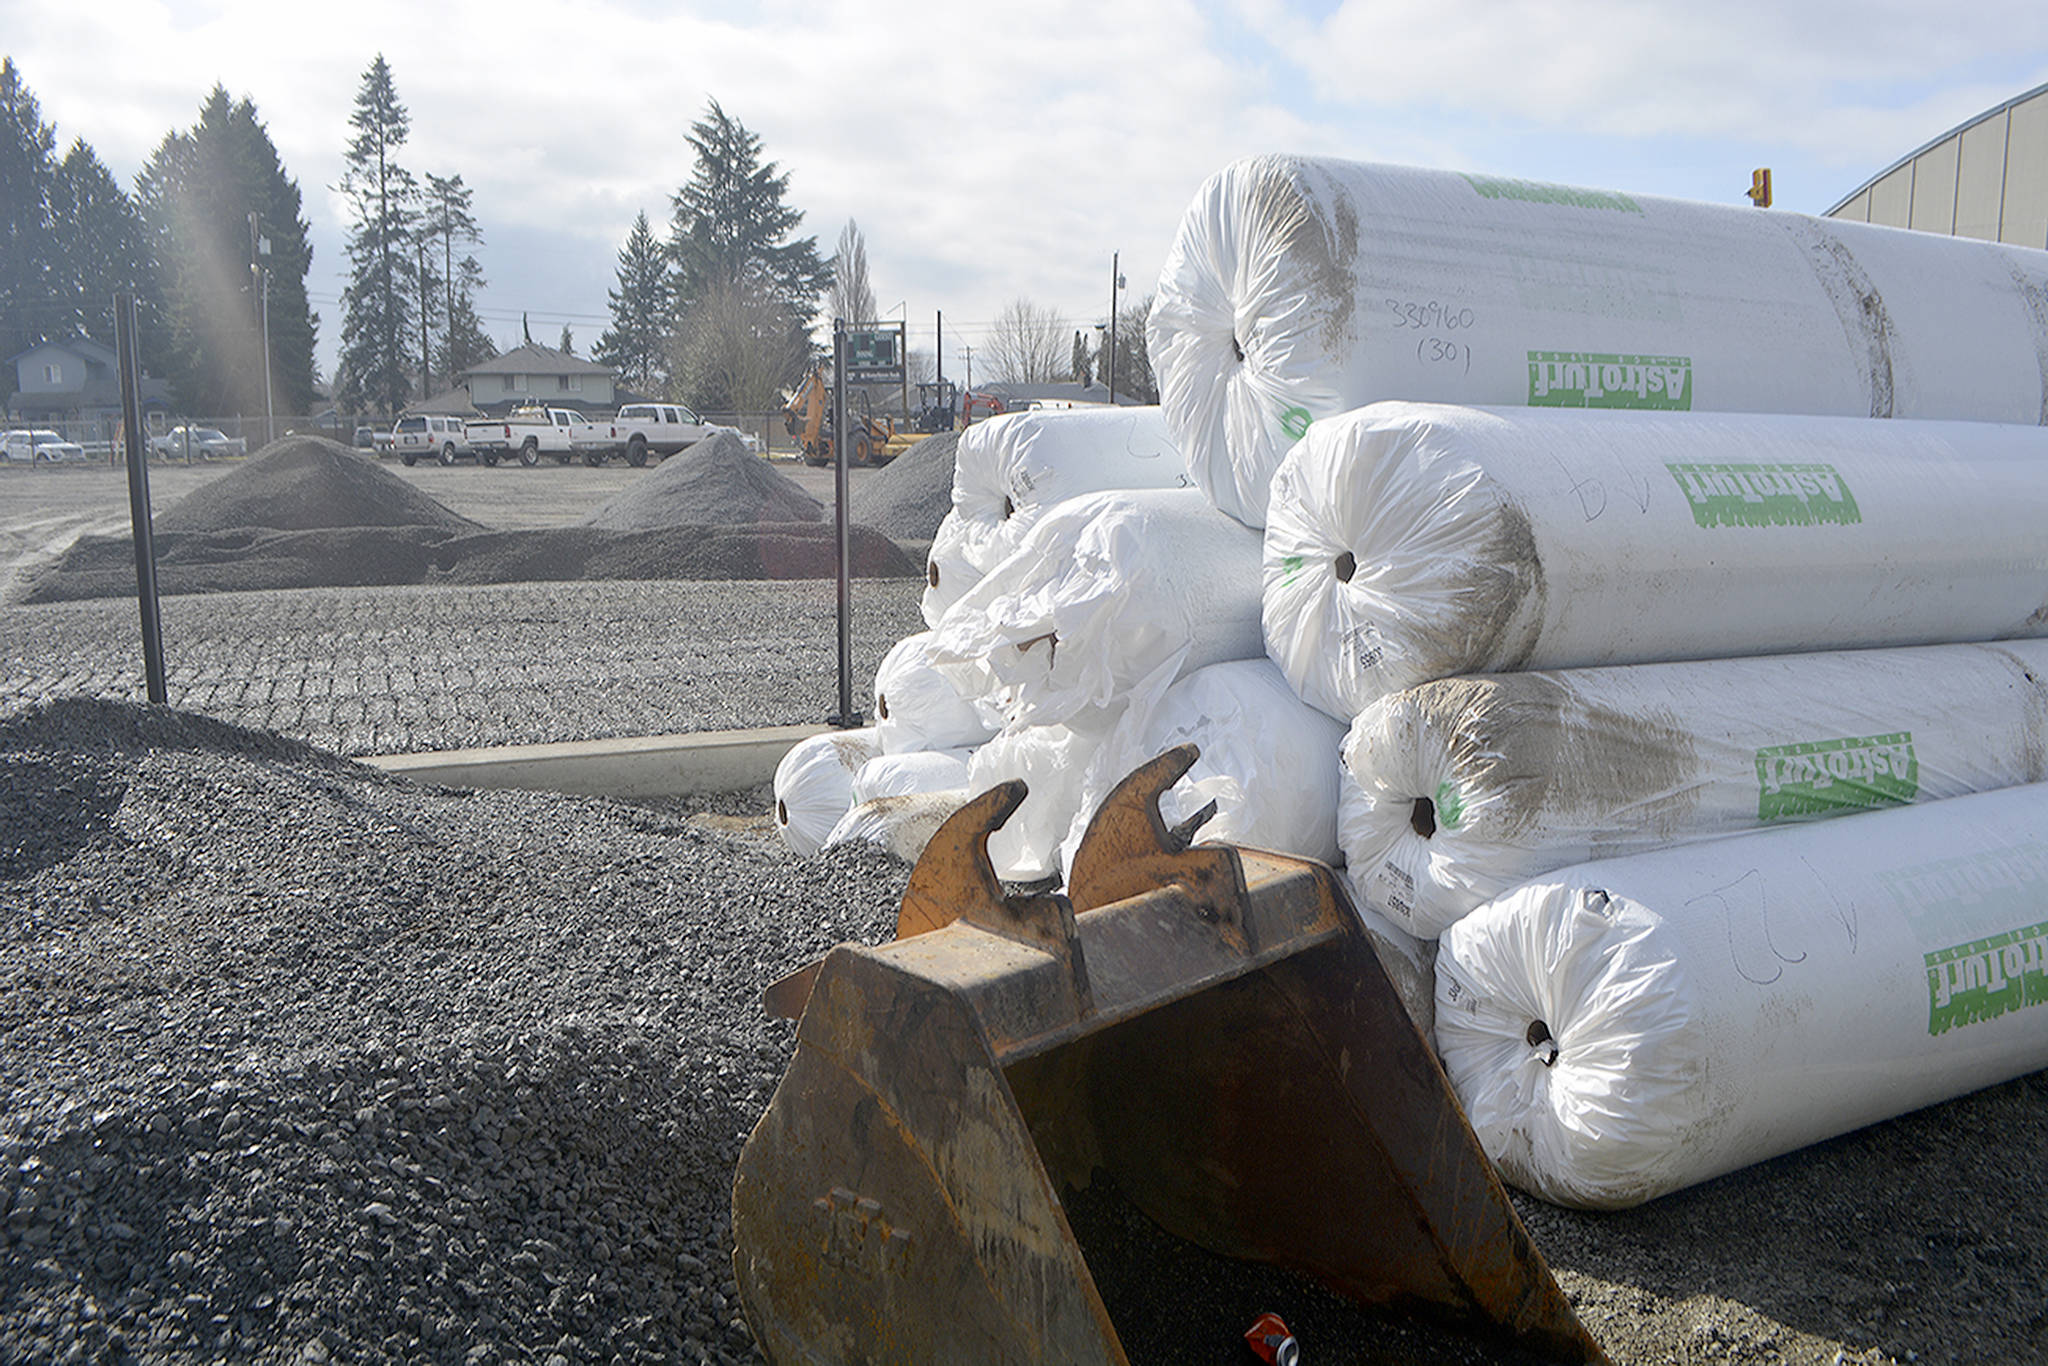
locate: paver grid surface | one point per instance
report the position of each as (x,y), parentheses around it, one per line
(392,670)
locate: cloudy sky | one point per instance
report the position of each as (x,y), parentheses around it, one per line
(992,151)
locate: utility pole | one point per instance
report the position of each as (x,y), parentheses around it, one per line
(968,353)
(259,247)
(1116,280)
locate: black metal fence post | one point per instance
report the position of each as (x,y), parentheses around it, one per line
(138,498)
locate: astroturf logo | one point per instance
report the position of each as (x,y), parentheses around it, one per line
(1594,379)
(1824,777)
(1537,192)
(1982,980)
(1766,495)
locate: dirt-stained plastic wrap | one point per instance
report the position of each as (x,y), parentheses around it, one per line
(1009,469)
(903,824)
(1268,761)
(814,785)
(1414,541)
(1297,289)
(917,707)
(1457,790)
(1622,1029)
(1110,597)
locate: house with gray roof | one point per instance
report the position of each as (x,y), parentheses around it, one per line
(533,373)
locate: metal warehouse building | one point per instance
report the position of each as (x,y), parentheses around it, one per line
(1986,179)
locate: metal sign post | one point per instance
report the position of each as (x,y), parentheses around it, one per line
(847,717)
(138,498)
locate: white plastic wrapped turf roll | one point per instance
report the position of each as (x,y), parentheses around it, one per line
(1268,761)
(1627,1028)
(814,785)
(1009,469)
(1110,596)
(1052,761)
(1457,790)
(1414,541)
(917,707)
(900,775)
(1297,289)
(902,825)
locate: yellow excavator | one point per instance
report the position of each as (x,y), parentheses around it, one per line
(808,418)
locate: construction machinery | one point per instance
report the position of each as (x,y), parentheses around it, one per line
(808,417)
(938,406)
(1206,1027)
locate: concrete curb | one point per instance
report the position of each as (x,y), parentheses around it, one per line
(634,766)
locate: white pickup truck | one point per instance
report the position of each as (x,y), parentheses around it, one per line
(526,433)
(641,430)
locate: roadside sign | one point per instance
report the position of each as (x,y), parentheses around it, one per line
(875,354)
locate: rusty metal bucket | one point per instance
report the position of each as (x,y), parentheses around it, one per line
(1207,1024)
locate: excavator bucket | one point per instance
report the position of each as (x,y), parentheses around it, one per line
(1205,1024)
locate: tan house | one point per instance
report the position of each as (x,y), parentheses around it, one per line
(538,374)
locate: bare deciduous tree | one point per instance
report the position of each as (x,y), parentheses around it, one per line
(853,298)
(1027,345)
(738,347)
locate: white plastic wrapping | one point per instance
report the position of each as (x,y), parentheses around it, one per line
(901,825)
(1297,289)
(1626,1028)
(1110,596)
(814,785)
(900,775)
(917,707)
(1010,468)
(1052,761)
(1413,541)
(1268,761)
(1455,791)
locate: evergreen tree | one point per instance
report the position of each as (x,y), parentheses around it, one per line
(27,170)
(1134,377)
(730,224)
(99,244)
(466,342)
(568,346)
(445,221)
(210,197)
(636,343)
(377,314)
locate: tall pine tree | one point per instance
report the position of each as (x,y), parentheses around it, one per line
(27,170)
(445,222)
(731,227)
(635,345)
(100,245)
(209,196)
(377,312)
(466,344)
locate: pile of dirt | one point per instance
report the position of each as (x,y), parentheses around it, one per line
(717,482)
(908,497)
(305,483)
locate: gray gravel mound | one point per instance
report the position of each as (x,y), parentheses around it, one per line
(299,483)
(908,497)
(717,481)
(306,1063)
(249,559)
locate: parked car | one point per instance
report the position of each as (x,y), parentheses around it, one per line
(640,430)
(525,433)
(208,443)
(31,446)
(427,434)
(366,438)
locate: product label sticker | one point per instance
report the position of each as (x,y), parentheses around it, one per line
(1362,647)
(1766,495)
(1980,981)
(1538,192)
(1391,891)
(1592,379)
(1824,777)
(1457,993)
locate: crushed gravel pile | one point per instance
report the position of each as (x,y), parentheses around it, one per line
(308,1064)
(908,497)
(373,557)
(716,482)
(300,483)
